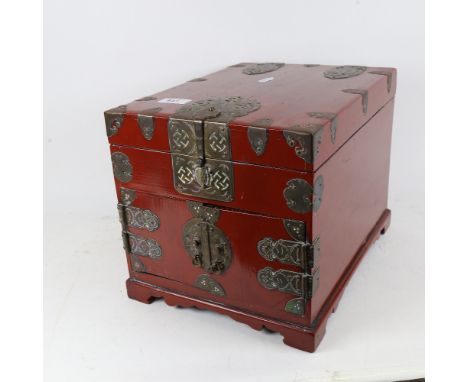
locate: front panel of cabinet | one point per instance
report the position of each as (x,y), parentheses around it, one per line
(247,261)
(263,190)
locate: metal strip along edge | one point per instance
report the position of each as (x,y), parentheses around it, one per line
(146,122)
(114,119)
(364,97)
(306,144)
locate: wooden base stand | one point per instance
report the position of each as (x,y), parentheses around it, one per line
(304,338)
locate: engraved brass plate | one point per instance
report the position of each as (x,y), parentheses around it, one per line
(284,251)
(301,197)
(298,284)
(295,229)
(283,281)
(205,282)
(186,137)
(296,306)
(201,148)
(127,196)
(346,71)
(217,143)
(258,139)
(114,119)
(218,109)
(139,218)
(205,243)
(298,195)
(146,123)
(137,264)
(144,247)
(122,167)
(262,68)
(306,145)
(215,180)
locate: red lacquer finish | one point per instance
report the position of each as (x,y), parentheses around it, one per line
(305,338)
(295,91)
(354,167)
(257,189)
(174,270)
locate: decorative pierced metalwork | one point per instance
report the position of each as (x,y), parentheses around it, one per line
(137,264)
(298,284)
(114,119)
(194,138)
(127,196)
(302,143)
(196,142)
(389,76)
(261,68)
(286,252)
(301,197)
(283,280)
(205,243)
(208,214)
(298,195)
(146,123)
(186,137)
(364,97)
(295,229)
(258,135)
(217,143)
(346,71)
(122,167)
(212,181)
(296,306)
(332,117)
(210,285)
(218,109)
(141,246)
(139,218)
(306,145)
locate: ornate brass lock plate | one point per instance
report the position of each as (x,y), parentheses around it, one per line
(205,243)
(213,180)
(201,147)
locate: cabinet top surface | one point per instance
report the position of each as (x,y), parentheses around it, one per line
(288,95)
(305,99)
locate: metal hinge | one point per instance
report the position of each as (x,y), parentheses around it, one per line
(302,285)
(298,252)
(134,244)
(299,284)
(301,254)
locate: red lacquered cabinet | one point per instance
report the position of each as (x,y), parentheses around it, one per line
(255,191)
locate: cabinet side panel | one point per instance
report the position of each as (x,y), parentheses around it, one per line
(354,198)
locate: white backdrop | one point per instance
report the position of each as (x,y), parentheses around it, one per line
(100,54)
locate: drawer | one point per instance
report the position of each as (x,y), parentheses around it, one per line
(250,262)
(258,189)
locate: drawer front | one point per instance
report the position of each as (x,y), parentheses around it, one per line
(250,262)
(264,190)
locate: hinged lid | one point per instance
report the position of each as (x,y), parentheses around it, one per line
(287,116)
